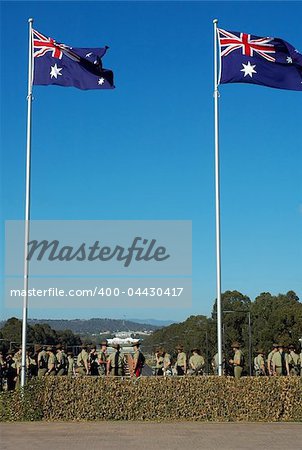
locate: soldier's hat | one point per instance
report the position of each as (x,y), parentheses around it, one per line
(280,344)
(49,349)
(69,353)
(59,346)
(260,351)
(116,346)
(291,347)
(195,349)
(235,345)
(38,348)
(275,345)
(104,342)
(179,347)
(136,344)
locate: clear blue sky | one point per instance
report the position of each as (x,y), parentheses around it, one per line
(145,150)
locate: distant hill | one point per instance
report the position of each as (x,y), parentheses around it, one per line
(95,325)
(155,322)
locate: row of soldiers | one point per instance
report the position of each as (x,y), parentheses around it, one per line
(280,361)
(53,361)
(164,365)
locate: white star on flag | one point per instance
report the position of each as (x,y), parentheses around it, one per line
(248,69)
(88,55)
(101,81)
(55,71)
(289,60)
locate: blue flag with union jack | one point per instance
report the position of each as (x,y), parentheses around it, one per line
(56,63)
(268,61)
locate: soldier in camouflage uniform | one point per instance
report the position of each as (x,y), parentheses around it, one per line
(237,361)
(82,362)
(42,361)
(159,362)
(103,358)
(62,363)
(293,361)
(280,362)
(51,362)
(70,360)
(259,363)
(116,362)
(18,365)
(196,362)
(181,362)
(269,359)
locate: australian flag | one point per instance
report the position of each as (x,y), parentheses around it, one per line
(56,63)
(268,61)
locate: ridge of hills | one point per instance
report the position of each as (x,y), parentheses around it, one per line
(94,325)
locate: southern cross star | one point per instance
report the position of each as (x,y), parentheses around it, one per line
(248,69)
(55,71)
(101,81)
(289,60)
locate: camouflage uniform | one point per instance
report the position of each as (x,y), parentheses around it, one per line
(237,360)
(196,362)
(82,362)
(116,363)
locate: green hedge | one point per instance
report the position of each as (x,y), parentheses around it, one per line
(153,398)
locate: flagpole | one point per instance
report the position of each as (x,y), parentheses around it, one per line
(217,203)
(27,203)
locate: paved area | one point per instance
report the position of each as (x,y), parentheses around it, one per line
(150,436)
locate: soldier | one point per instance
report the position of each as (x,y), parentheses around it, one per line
(51,362)
(82,362)
(42,361)
(10,372)
(196,362)
(215,364)
(62,363)
(138,360)
(31,365)
(116,362)
(167,364)
(70,360)
(269,359)
(237,361)
(93,361)
(293,361)
(159,364)
(103,358)
(280,362)
(181,362)
(259,363)
(17,365)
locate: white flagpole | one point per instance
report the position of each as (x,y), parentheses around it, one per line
(217,203)
(27,203)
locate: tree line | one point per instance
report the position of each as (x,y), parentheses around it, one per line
(11,335)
